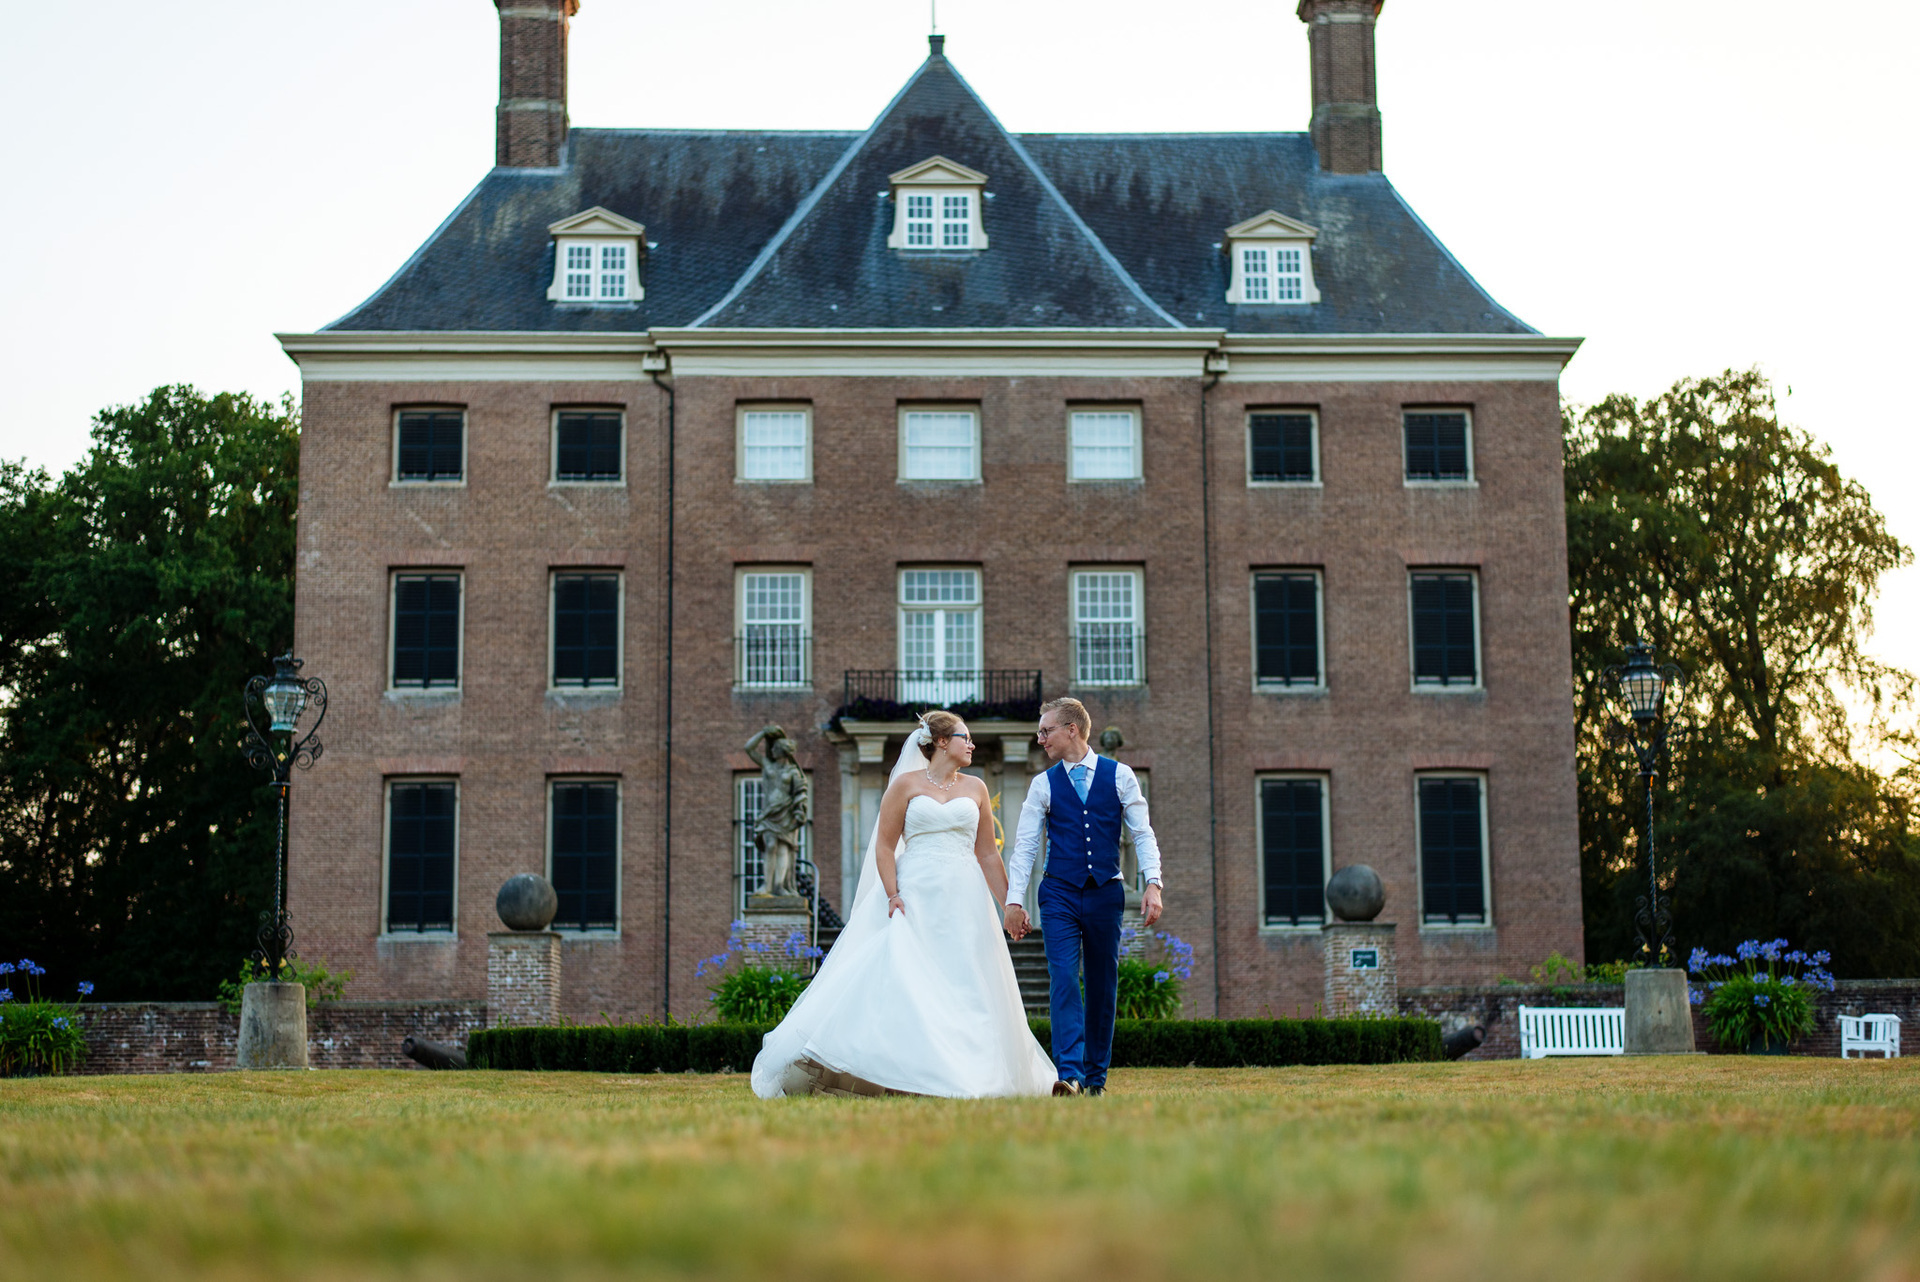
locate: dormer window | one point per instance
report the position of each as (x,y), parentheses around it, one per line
(596,258)
(937,207)
(1272,258)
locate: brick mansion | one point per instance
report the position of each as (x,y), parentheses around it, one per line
(664,436)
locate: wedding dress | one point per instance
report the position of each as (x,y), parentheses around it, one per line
(924,1002)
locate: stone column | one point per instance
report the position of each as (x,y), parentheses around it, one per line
(273,1026)
(850,847)
(873,786)
(523,978)
(1361,975)
(1659,1017)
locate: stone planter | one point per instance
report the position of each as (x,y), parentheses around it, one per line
(273,1026)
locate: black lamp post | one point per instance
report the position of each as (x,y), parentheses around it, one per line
(1649,729)
(282,700)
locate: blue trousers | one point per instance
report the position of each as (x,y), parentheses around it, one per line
(1082,936)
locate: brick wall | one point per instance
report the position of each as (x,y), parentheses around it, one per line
(190,1037)
(1497,1007)
(523,978)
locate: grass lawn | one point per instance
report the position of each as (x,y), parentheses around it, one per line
(1719,1167)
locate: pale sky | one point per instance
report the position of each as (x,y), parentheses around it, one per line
(1688,186)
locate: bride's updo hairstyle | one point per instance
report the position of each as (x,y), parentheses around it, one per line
(936,725)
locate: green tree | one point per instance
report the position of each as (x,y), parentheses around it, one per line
(137,594)
(1700,523)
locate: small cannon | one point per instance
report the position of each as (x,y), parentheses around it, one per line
(1462,1040)
(432,1054)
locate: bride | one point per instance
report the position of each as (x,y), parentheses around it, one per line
(918,994)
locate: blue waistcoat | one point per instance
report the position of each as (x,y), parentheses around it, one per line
(1083,838)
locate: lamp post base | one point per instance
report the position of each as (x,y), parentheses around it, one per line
(273,1026)
(1659,1017)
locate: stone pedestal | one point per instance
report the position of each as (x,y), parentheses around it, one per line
(1659,1018)
(776,906)
(523,979)
(273,1026)
(773,920)
(1361,975)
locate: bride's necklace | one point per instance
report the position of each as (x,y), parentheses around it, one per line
(952,779)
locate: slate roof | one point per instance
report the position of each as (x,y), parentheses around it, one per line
(789,229)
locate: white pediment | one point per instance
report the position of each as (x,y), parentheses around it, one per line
(596,222)
(1272,226)
(937,171)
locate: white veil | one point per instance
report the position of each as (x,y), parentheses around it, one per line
(866,918)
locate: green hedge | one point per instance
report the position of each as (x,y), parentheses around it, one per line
(1137,1043)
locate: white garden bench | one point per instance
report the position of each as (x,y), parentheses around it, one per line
(1865,1033)
(1572,1030)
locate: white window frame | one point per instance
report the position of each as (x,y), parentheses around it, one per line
(1479,683)
(907,414)
(554,575)
(743,781)
(741,574)
(1138,624)
(387,933)
(553,445)
(619,853)
(938,687)
(1313,435)
(1074,415)
(394,479)
(1319,623)
(1271,235)
(929,229)
(1486,856)
(626,276)
(394,575)
(747,409)
(1325,780)
(1472,478)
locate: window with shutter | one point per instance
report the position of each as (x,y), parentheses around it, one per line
(586,445)
(584,865)
(1286,629)
(1438,445)
(586,630)
(421,836)
(426,631)
(1452,851)
(430,445)
(1281,448)
(1446,647)
(1293,851)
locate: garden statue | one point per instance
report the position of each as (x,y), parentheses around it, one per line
(785,806)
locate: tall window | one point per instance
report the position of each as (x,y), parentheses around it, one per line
(1446,649)
(1281,448)
(585,832)
(422,830)
(586,445)
(1438,445)
(1272,275)
(1452,851)
(956,222)
(940,635)
(586,629)
(773,444)
(1293,851)
(426,630)
(1108,631)
(940,445)
(1286,628)
(773,642)
(1104,445)
(430,445)
(749,869)
(613,271)
(920,222)
(580,271)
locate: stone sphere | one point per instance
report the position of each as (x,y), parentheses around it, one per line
(527,902)
(1355,893)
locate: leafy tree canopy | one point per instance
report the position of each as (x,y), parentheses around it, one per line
(137,594)
(1700,523)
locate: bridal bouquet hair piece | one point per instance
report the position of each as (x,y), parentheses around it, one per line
(1762,997)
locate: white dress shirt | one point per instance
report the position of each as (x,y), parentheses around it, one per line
(1033,825)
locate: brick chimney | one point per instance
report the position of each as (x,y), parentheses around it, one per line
(1346,106)
(530,125)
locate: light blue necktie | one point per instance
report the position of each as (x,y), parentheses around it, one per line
(1079,776)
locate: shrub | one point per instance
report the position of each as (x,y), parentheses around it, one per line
(1761,996)
(37,1036)
(322,985)
(764,987)
(1151,987)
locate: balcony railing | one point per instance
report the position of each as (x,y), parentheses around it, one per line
(772,656)
(1109,654)
(897,694)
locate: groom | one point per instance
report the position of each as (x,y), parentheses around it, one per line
(1080,803)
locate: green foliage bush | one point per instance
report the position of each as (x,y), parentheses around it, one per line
(37,1036)
(764,987)
(322,985)
(1137,1043)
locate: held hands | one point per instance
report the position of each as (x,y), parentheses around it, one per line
(1150,906)
(1015,921)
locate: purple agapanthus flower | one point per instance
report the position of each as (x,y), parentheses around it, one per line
(86,989)
(6,994)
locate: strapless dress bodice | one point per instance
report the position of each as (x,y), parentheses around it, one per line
(941,827)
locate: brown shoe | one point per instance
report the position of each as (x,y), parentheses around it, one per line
(1066,1087)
